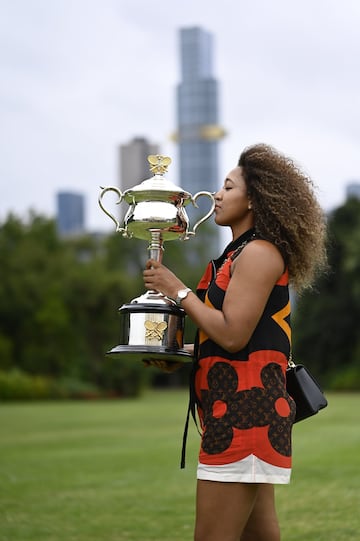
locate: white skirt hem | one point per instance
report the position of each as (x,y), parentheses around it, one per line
(248,470)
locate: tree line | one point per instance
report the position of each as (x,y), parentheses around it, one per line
(58,308)
(59,299)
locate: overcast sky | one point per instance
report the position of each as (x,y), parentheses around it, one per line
(80,77)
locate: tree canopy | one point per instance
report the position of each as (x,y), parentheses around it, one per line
(326,321)
(59,299)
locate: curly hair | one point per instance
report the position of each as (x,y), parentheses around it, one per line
(286,211)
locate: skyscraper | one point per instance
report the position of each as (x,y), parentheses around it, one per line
(198,131)
(70,213)
(134,167)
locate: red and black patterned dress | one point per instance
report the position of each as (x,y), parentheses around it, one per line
(245,412)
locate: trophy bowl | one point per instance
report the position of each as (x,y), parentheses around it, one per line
(152,325)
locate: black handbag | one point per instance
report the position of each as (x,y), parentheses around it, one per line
(305,391)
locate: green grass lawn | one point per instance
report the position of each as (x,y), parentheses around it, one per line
(86,471)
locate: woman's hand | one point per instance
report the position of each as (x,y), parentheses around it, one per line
(164,366)
(159,278)
(170,366)
(189,348)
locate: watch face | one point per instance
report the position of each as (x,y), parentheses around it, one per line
(182,294)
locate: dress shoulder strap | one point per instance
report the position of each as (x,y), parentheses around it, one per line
(240,248)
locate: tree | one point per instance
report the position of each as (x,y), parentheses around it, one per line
(326,323)
(59,300)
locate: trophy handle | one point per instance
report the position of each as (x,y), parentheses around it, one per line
(121,196)
(204,218)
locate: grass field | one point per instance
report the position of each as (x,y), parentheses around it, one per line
(86,471)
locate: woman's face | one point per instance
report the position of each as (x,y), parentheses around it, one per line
(232,201)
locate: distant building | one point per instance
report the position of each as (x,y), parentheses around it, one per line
(133,164)
(353,190)
(70,214)
(198,130)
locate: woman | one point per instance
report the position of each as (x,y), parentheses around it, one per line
(242,311)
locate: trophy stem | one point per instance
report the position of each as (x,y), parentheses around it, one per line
(156,248)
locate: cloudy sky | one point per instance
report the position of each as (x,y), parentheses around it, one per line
(80,77)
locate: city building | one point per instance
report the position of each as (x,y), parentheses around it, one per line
(198,131)
(133,164)
(70,216)
(353,190)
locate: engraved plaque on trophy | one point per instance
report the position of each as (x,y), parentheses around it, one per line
(152,325)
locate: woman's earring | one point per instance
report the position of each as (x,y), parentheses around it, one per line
(249,206)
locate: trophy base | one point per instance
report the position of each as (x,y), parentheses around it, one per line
(151,329)
(148,353)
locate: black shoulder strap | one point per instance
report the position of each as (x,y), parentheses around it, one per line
(191,405)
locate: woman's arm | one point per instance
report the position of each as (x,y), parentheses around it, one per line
(254,273)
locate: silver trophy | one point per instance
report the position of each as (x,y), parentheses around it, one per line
(152,325)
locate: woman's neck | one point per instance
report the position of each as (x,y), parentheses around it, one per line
(240,229)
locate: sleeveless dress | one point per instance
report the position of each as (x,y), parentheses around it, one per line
(245,413)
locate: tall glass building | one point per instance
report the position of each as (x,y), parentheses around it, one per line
(70,213)
(198,130)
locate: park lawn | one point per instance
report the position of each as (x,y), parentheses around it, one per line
(109,470)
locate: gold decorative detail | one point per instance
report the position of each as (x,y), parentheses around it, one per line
(155,330)
(158,163)
(212,132)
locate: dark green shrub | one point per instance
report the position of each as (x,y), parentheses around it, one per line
(17,385)
(347,379)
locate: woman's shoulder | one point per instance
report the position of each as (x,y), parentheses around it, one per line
(258,245)
(260,254)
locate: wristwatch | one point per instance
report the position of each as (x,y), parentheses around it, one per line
(181,295)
